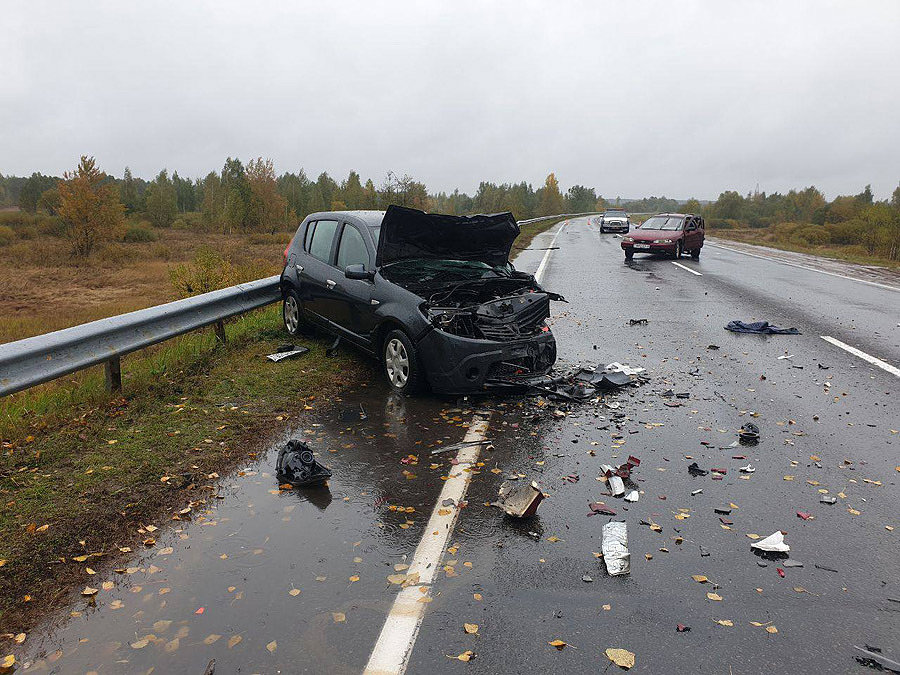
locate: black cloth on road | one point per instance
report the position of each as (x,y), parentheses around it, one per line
(759,328)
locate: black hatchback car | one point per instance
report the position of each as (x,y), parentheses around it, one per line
(433,297)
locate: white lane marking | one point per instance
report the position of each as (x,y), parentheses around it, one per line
(678,264)
(395,643)
(540,270)
(805,267)
(884,365)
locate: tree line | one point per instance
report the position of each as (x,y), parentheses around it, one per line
(251,197)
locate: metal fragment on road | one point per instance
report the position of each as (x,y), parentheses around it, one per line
(519,501)
(696,492)
(615,548)
(280,356)
(632,496)
(460,446)
(827,500)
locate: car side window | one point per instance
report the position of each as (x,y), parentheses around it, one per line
(308,235)
(322,239)
(352,250)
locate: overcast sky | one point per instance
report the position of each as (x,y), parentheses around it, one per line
(632,98)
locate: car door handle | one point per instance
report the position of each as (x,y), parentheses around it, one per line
(299,268)
(330,283)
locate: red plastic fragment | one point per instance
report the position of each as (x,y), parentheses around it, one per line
(804,515)
(681,628)
(634,461)
(199,611)
(721,471)
(780,572)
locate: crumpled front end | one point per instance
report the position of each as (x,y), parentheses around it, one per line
(460,365)
(501,338)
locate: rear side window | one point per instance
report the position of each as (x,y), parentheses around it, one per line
(352,249)
(322,238)
(308,235)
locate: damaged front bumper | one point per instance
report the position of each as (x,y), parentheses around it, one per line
(461,365)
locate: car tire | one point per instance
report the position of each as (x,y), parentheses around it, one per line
(629,254)
(400,360)
(695,254)
(292,314)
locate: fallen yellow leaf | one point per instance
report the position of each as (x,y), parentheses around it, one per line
(700,579)
(621,657)
(294,592)
(339,617)
(771,629)
(470,628)
(559,644)
(233,640)
(477,596)
(724,622)
(140,644)
(211,638)
(272,646)
(354,579)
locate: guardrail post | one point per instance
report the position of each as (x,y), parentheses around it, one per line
(219,328)
(113,372)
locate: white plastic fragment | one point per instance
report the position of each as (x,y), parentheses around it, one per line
(615,548)
(632,496)
(616,486)
(280,356)
(696,492)
(774,542)
(747,469)
(617,367)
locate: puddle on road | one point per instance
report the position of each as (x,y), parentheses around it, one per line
(224,584)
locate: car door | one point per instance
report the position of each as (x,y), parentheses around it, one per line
(317,272)
(690,234)
(354,310)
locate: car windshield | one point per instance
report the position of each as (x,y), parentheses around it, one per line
(662,223)
(429,269)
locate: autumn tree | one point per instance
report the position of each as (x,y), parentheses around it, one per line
(267,209)
(550,201)
(32,190)
(128,192)
(161,201)
(89,206)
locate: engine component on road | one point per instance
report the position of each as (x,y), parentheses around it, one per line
(297,465)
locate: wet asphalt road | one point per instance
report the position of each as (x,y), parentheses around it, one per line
(241,557)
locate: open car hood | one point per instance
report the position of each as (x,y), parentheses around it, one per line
(410,233)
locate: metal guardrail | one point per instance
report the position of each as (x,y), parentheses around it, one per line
(42,358)
(38,359)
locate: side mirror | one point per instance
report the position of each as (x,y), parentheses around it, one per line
(358,272)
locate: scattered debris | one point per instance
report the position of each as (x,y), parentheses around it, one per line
(712,347)
(681,628)
(616,367)
(282,354)
(696,492)
(774,543)
(695,470)
(827,500)
(749,433)
(519,500)
(459,446)
(632,496)
(614,547)
(759,328)
(747,469)
(638,322)
(297,465)
(333,349)
(587,578)
(599,508)
(616,486)
(872,657)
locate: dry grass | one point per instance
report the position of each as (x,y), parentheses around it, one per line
(43,288)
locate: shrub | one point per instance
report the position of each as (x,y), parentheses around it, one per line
(160,252)
(7,234)
(722,223)
(811,235)
(261,239)
(53,227)
(208,271)
(27,232)
(136,234)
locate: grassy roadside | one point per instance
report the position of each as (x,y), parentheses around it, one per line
(83,471)
(762,237)
(530,230)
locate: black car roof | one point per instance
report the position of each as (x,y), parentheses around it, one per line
(370,218)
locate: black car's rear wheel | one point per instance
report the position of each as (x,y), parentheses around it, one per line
(290,313)
(400,359)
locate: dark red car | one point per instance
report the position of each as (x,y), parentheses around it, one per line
(672,234)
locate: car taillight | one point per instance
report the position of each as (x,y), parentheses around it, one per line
(287,248)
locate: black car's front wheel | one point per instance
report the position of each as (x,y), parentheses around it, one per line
(400,359)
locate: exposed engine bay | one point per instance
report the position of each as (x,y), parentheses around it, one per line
(504,305)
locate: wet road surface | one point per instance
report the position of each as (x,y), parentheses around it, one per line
(826,431)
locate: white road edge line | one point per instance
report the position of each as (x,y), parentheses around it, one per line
(540,270)
(678,264)
(884,365)
(804,267)
(395,643)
